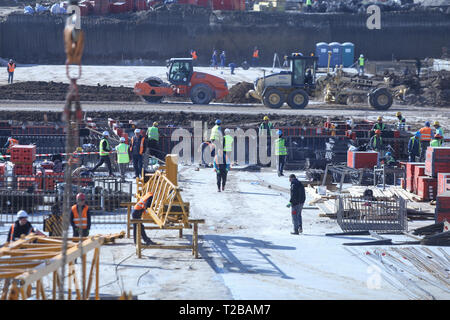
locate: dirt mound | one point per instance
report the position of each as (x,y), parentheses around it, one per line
(41,90)
(237,94)
(434,91)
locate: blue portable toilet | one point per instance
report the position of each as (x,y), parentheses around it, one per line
(322,53)
(336,54)
(348,54)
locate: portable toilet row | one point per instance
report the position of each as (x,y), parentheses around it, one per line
(340,54)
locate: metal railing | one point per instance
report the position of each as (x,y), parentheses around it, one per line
(383,215)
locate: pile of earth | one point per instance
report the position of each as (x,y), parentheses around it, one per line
(53,91)
(237,94)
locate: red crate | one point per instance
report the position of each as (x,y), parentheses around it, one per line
(443,182)
(437,160)
(443,202)
(27,182)
(23,169)
(410,168)
(361,159)
(418,171)
(130,5)
(51,178)
(427,188)
(409,184)
(23,153)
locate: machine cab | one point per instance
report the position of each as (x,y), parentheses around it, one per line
(303,70)
(180,71)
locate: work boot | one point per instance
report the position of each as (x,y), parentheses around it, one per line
(300,230)
(149,242)
(295,232)
(223,188)
(279,174)
(218,190)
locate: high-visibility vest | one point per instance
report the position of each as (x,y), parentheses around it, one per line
(376,145)
(380,126)
(11,67)
(228,147)
(435,143)
(308,2)
(12,142)
(280,148)
(103,152)
(80,222)
(122,153)
(194,55)
(440,131)
(141,149)
(256,53)
(401,124)
(215,134)
(263,128)
(153,133)
(12,233)
(425,134)
(141,203)
(361,61)
(389,160)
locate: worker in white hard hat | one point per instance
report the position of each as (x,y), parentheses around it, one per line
(123,157)
(21,227)
(104,150)
(401,124)
(361,62)
(10,68)
(137,149)
(228,142)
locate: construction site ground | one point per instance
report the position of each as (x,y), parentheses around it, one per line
(246,249)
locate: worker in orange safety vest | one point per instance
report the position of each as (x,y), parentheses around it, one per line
(10,68)
(80,217)
(255,57)
(426,134)
(137,149)
(137,213)
(10,143)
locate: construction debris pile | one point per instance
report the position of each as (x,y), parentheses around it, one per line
(356,6)
(53,91)
(237,94)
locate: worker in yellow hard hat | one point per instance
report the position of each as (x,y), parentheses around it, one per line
(265,138)
(153,140)
(401,124)
(439,131)
(379,125)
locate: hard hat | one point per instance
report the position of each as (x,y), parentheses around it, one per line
(122,139)
(377,131)
(279,132)
(22,214)
(388,153)
(266,118)
(79,149)
(218,121)
(105,133)
(427,124)
(417,134)
(379,118)
(155,124)
(227,131)
(137,130)
(398,113)
(361,55)
(438,136)
(10,60)
(436,123)
(81,197)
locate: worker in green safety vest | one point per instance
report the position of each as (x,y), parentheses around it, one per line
(437,141)
(308,5)
(280,152)
(379,125)
(104,150)
(361,62)
(439,131)
(123,157)
(153,140)
(228,142)
(216,132)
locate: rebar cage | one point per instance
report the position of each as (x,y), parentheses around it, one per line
(382,215)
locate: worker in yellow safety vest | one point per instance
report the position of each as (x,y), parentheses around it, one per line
(361,62)
(153,140)
(437,141)
(80,217)
(104,150)
(280,152)
(308,5)
(439,130)
(216,132)
(228,142)
(137,213)
(123,157)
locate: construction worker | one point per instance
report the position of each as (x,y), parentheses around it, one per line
(137,213)
(296,203)
(439,130)
(222,59)
(21,227)
(255,57)
(10,143)
(153,140)
(425,138)
(379,125)
(104,150)
(10,68)
(401,124)
(194,56)
(137,149)
(308,5)
(201,148)
(280,152)
(389,160)
(414,147)
(123,157)
(214,59)
(418,66)
(376,142)
(361,63)
(77,158)
(80,217)
(221,167)
(227,142)
(232,66)
(265,132)
(216,132)
(437,141)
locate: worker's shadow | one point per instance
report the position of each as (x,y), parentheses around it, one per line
(228,246)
